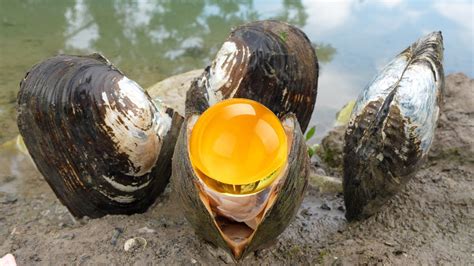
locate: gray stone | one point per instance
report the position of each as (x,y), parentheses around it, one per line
(172,91)
(325,184)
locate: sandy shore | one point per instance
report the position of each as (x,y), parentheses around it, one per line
(430,222)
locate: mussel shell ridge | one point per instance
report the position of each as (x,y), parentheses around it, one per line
(271,62)
(277,218)
(100,142)
(392,126)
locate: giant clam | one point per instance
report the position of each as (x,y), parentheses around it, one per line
(100,142)
(392,126)
(239,209)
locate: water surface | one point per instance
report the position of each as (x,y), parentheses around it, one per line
(150,40)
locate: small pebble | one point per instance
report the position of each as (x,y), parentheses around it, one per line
(8,178)
(193,261)
(305,212)
(117,232)
(398,252)
(84,220)
(8,260)
(164,222)
(35,257)
(361,251)
(7,198)
(325,206)
(146,230)
(316,160)
(134,244)
(320,171)
(83,258)
(68,236)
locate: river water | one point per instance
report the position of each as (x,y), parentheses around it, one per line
(150,40)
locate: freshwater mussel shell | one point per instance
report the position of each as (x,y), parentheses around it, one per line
(102,146)
(392,127)
(271,62)
(276,219)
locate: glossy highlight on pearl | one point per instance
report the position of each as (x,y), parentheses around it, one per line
(238,146)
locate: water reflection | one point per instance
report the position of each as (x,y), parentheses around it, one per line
(150,39)
(81,30)
(159,37)
(367,34)
(293,11)
(17,167)
(325,52)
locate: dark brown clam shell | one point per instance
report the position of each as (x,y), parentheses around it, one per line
(268,61)
(392,127)
(97,138)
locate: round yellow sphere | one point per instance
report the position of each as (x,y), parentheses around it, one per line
(238,146)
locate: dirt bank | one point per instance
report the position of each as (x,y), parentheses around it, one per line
(430,222)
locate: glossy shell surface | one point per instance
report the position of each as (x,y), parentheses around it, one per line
(277,218)
(392,126)
(269,61)
(272,63)
(100,142)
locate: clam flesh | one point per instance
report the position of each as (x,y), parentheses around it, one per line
(96,136)
(392,126)
(240,166)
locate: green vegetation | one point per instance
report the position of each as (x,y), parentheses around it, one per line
(283,35)
(313,148)
(324,51)
(323,253)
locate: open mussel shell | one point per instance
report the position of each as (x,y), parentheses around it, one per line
(98,139)
(270,62)
(282,202)
(274,64)
(392,126)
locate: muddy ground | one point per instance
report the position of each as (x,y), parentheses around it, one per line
(430,222)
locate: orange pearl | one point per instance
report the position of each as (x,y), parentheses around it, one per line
(238,146)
